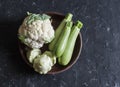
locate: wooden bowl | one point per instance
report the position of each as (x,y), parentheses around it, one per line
(56,19)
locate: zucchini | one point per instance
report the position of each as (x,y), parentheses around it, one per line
(62,41)
(68,17)
(66,57)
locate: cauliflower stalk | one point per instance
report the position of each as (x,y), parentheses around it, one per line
(36,30)
(43,63)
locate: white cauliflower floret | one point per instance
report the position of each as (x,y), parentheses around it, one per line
(43,63)
(32,54)
(37,32)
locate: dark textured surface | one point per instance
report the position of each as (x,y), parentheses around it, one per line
(98,65)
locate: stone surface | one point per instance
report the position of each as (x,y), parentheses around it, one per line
(98,65)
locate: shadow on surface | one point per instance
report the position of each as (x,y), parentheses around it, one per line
(11,61)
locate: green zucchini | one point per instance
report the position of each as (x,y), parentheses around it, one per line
(66,57)
(62,41)
(68,17)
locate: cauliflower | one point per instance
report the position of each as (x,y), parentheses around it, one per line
(32,54)
(43,63)
(36,30)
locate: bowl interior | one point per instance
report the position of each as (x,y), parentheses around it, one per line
(56,19)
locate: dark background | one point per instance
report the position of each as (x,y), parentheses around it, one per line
(99,62)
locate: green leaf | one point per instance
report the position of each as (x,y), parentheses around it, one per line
(28,13)
(22,38)
(44,17)
(33,17)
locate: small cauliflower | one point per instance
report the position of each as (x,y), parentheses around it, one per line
(43,63)
(36,30)
(32,54)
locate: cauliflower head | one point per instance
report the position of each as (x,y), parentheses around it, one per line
(43,63)
(32,54)
(36,30)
